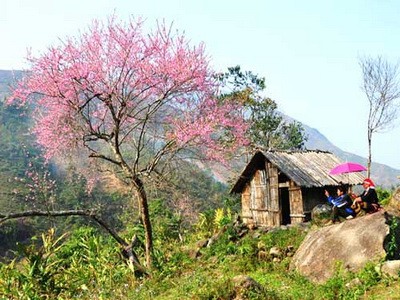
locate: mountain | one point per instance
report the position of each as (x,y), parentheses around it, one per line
(382,175)
(6,79)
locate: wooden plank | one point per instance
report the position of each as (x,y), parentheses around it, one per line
(284,184)
(296,203)
(246,198)
(275,207)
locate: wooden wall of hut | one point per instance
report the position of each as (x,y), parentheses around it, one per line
(296,203)
(274,209)
(260,198)
(247,216)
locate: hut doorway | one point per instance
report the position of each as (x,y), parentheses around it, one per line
(285,205)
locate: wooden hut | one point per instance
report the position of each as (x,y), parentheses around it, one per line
(282,187)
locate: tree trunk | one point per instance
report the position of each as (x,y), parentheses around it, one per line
(145,216)
(369,154)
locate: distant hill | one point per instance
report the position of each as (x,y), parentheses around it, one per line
(383,175)
(6,78)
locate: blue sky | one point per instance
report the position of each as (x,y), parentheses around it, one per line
(307,50)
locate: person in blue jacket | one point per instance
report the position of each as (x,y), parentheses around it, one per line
(341,205)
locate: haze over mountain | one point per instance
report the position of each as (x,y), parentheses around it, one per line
(382,174)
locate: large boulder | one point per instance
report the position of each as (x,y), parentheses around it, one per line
(353,242)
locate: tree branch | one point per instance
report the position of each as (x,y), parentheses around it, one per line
(127,248)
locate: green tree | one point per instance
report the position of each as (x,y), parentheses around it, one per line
(269,129)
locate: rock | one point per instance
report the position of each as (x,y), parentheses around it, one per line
(289,248)
(275,252)
(245,285)
(262,255)
(391,268)
(353,242)
(355,282)
(289,252)
(321,214)
(276,260)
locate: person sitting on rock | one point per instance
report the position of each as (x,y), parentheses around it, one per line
(368,200)
(341,205)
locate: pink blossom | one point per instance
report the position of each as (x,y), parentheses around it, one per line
(117,85)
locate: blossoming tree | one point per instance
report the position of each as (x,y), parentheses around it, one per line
(125,101)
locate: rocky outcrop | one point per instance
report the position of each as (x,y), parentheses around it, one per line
(353,242)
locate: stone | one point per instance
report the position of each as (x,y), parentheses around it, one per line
(262,255)
(391,268)
(321,214)
(244,284)
(355,282)
(275,252)
(352,242)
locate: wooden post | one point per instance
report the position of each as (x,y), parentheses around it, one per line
(296,203)
(258,203)
(274,208)
(246,199)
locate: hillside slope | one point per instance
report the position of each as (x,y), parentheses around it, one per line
(382,174)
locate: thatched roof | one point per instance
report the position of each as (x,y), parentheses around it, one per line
(307,168)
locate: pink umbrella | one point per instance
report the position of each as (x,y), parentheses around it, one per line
(347,167)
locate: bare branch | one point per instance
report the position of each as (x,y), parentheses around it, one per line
(127,248)
(382,89)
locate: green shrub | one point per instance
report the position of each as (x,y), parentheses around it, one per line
(384,196)
(84,266)
(38,274)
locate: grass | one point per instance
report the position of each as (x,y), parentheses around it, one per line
(86,265)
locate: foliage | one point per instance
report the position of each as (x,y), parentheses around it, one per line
(16,151)
(392,242)
(84,266)
(87,265)
(167,224)
(384,195)
(17,155)
(222,217)
(39,273)
(268,128)
(154,91)
(126,103)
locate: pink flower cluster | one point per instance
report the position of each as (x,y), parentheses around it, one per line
(115,82)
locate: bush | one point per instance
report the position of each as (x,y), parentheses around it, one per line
(384,196)
(84,266)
